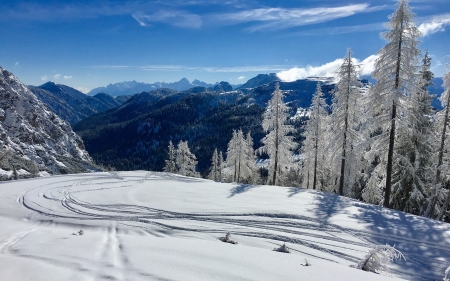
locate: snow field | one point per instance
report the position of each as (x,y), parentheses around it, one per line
(157,226)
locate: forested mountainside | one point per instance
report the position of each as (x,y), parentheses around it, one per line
(33,139)
(71,105)
(136,135)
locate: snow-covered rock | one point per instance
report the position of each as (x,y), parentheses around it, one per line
(36,138)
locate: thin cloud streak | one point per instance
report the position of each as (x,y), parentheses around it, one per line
(338,30)
(435,24)
(280,18)
(237,69)
(175,18)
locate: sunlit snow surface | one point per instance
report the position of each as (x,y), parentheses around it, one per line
(157,226)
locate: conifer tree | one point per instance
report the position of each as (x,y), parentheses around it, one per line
(185,161)
(240,157)
(343,121)
(443,163)
(413,164)
(313,146)
(278,143)
(395,72)
(215,167)
(170,163)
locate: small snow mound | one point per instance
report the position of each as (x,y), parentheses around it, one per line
(79,232)
(227,239)
(282,249)
(377,257)
(307,263)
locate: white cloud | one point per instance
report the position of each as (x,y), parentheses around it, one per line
(326,70)
(175,18)
(437,24)
(57,76)
(16,64)
(367,66)
(83,90)
(44,78)
(67,77)
(241,77)
(281,18)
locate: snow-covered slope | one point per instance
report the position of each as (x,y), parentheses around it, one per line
(156,226)
(34,136)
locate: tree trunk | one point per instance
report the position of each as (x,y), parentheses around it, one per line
(344,142)
(387,193)
(315,165)
(275,166)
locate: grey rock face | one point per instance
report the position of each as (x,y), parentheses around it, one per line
(33,136)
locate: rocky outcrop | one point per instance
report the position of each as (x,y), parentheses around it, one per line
(33,139)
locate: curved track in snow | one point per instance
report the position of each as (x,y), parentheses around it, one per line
(303,234)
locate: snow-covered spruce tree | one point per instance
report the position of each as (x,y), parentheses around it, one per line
(375,260)
(221,166)
(185,161)
(278,143)
(344,124)
(215,167)
(170,163)
(414,172)
(395,72)
(313,146)
(443,165)
(240,158)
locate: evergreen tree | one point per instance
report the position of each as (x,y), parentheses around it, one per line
(278,142)
(215,167)
(413,164)
(220,166)
(185,161)
(395,72)
(313,146)
(343,122)
(440,197)
(240,157)
(170,163)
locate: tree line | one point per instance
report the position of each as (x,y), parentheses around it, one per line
(382,144)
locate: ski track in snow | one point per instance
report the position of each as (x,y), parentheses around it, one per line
(296,230)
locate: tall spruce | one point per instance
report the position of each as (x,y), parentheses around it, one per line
(414,164)
(442,192)
(395,71)
(215,167)
(185,161)
(343,121)
(278,142)
(240,157)
(313,146)
(170,163)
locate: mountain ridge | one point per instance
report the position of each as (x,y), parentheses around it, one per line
(33,138)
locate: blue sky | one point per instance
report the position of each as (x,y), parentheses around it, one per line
(86,44)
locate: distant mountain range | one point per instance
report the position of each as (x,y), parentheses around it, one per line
(71,105)
(204,117)
(133,87)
